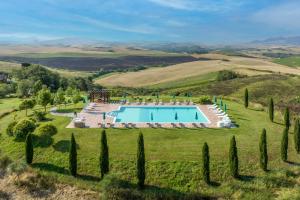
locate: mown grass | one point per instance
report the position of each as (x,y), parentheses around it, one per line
(292,61)
(173,156)
(8,105)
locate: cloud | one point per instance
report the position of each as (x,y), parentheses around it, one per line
(26,36)
(284,15)
(143,29)
(200,5)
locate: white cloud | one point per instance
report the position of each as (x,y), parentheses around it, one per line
(26,36)
(200,5)
(285,15)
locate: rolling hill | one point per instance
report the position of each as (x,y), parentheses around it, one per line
(216,62)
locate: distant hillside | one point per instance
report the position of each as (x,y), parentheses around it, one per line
(294,41)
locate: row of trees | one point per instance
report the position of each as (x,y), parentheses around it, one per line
(140,160)
(44,97)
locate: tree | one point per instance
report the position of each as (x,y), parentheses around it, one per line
(104,157)
(23,128)
(284,145)
(27,104)
(287,122)
(271,110)
(29,149)
(73,157)
(205,161)
(44,97)
(246,100)
(297,136)
(233,159)
(141,162)
(76,97)
(263,158)
(24,88)
(59,97)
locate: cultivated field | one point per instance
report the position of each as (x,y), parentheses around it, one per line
(249,66)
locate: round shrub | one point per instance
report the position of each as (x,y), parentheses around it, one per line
(23,127)
(10,128)
(46,129)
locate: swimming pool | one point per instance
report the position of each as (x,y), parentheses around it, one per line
(159,114)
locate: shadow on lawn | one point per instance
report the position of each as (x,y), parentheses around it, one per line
(63,146)
(61,170)
(115,188)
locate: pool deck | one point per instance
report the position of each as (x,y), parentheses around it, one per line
(94,118)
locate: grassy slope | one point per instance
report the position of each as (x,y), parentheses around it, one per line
(173,156)
(293,61)
(165,75)
(7,105)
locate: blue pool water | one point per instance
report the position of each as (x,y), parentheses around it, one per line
(160,114)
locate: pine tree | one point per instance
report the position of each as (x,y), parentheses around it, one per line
(104,157)
(233,159)
(29,149)
(287,122)
(246,98)
(263,151)
(141,162)
(205,161)
(297,136)
(73,157)
(271,110)
(284,145)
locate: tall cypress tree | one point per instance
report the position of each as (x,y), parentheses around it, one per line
(287,122)
(104,158)
(263,158)
(297,136)
(233,159)
(29,149)
(205,162)
(284,145)
(73,157)
(246,98)
(271,110)
(141,175)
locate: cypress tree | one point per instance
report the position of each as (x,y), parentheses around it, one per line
(233,159)
(284,145)
(29,149)
(246,98)
(287,122)
(205,161)
(73,157)
(297,136)
(263,158)
(104,158)
(141,162)
(271,110)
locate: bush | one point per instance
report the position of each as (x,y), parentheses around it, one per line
(23,128)
(46,129)
(228,75)
(10,128)
(205,100)
(233,159)
(263,158)
(284,145)
(39,116)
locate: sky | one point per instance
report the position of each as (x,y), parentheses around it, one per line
(197,21)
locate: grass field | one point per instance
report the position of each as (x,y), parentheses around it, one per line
(174,157)
(293,61)
(7,105)
(8,66)
(179,72)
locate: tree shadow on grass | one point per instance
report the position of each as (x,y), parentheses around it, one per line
(42,141)
(246,178)
(63,146)
(50,167)
(117,188)
(88,177)
(293,163)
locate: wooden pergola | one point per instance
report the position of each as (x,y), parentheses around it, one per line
(100,96)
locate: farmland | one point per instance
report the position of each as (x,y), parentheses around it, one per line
(217,62)
(292,61)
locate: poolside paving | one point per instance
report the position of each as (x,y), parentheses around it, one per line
(93,118)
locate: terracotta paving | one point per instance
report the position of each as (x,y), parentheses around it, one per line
(93,118)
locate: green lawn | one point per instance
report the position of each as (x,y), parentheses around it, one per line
(7,105)
(173,157)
